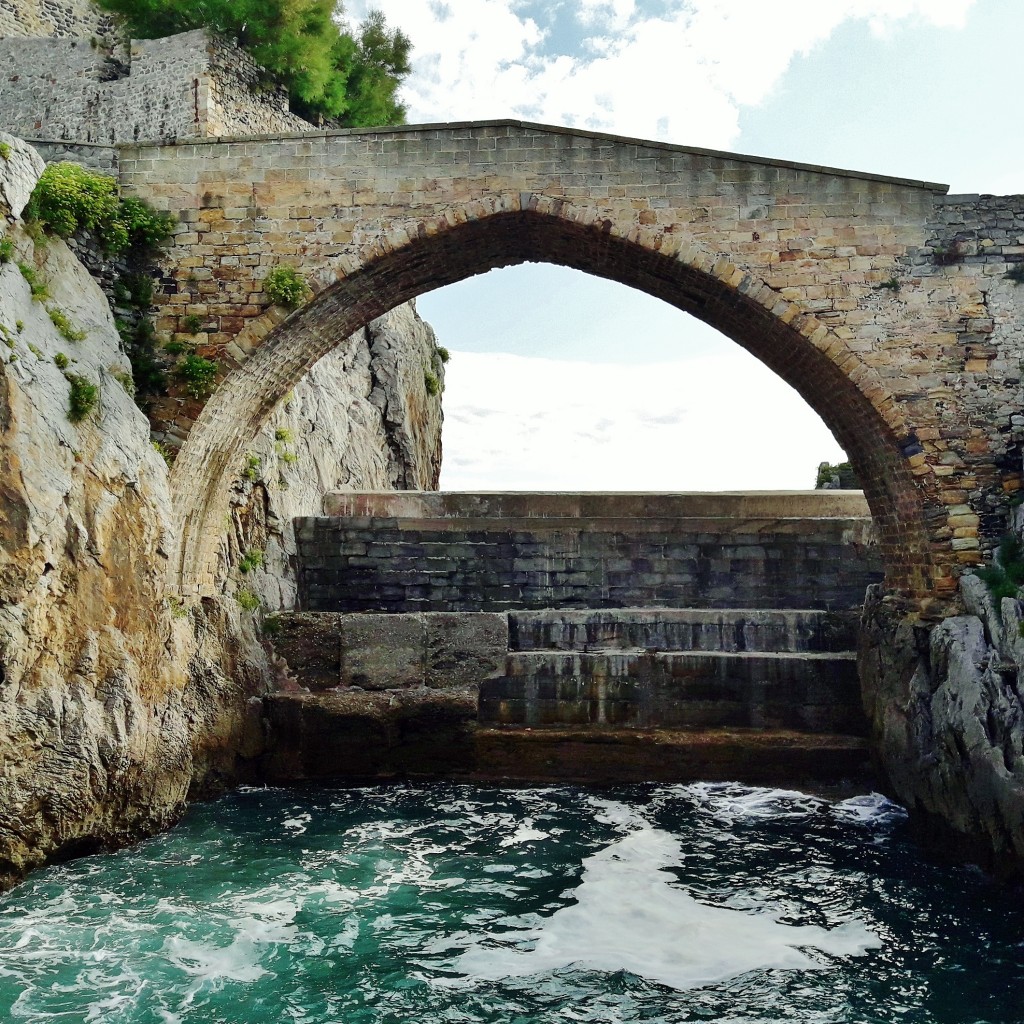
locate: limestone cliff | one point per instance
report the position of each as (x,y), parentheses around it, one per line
(948,720)
(117,701)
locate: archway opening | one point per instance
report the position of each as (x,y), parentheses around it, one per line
(563,381)
(426,255)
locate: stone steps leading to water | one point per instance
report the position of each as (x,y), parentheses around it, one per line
(684,629)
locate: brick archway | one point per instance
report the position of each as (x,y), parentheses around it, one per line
(419,255)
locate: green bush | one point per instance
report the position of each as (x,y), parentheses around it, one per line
(198,374)
(6,250)
(283,434)
(62,362)
(443,353)
(252,559)
(192,324)
(431,382)
(69,198)
(247,599)
(252,468)
(177,348)
(83,398)
(1006,573)
(124,379)
(285,286)
(164,452)
(5,150)
(37,287)
(65,327)
(272,626)
(329,70)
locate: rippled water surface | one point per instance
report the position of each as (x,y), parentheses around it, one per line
(447,903)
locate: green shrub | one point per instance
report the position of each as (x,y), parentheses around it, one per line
(1006,573)
(283,434)
(83,398)
(443,354)
(69,198)
(285,286)
(61,361)
(37,287)
(6,250)
(164,452)
(252,468)
(135,289)
(19,325)
(177,348)
(192,324)
(247,599)
(35,350)
(287,457)
(124,379)
(431,382)
(5,150)
(272,626)
(252,559)
(65,327)
(198,374)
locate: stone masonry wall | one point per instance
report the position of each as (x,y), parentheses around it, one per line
(184,86)
(64,19)
(836,280)
(673,557)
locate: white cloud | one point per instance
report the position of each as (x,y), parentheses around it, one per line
(713,423)
(681,76)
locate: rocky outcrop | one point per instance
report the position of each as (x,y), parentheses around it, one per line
(362,418)
(116,700)
(948,721)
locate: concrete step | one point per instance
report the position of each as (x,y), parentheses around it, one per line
(805,692)
(684,629)
(428,733)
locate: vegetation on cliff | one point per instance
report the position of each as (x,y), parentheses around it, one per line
(347,76)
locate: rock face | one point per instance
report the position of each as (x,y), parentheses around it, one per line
(948,721)
(116,701)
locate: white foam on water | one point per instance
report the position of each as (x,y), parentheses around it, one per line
(212,967)
(298,824)
(731,801)
(612,812)
(525,833)
(869,809)
(631,915)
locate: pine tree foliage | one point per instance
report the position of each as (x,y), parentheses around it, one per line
(333,73)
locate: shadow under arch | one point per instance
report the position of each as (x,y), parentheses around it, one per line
(419,256)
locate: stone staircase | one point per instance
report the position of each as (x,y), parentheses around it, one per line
(599,638)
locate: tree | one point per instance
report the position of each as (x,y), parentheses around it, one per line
(330,73)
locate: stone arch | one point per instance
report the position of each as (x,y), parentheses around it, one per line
(419,255)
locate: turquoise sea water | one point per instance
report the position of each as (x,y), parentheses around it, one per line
(451,903)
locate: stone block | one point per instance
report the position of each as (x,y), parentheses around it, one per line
(464,648)
(310,643)
(382,652)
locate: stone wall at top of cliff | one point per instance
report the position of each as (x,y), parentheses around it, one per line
(63,19)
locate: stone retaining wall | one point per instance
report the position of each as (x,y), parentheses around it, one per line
(190,85)
(677,554)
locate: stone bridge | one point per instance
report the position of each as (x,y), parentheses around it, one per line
(884,302)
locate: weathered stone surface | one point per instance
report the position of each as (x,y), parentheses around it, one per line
(948,722)
(607,552)
(359,418)
(19,176)
(352,734)
(311,645)
(116,701)
(464,649)
(382,652)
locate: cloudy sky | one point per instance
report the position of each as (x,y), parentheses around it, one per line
(558,380)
